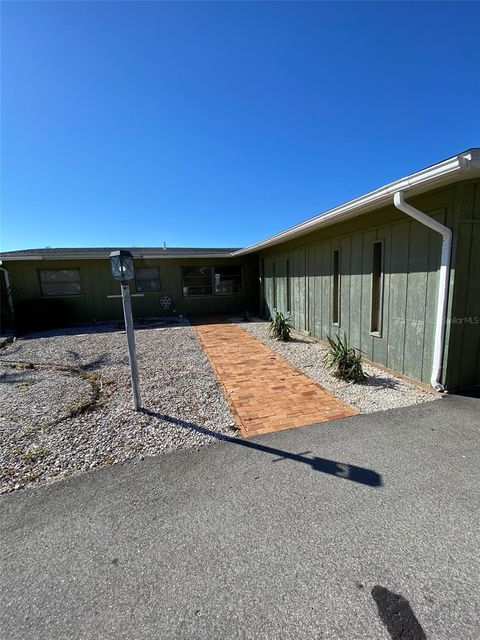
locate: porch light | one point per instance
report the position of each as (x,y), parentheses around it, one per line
(121,262)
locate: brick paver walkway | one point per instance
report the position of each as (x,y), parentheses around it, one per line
(265,392)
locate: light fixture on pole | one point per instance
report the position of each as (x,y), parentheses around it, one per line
(122,269)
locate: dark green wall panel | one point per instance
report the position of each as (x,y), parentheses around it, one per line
(98,283)
(411,258)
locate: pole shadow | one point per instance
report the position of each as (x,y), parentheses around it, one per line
(396,614)
(343,470)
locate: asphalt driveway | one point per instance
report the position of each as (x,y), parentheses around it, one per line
(362,528)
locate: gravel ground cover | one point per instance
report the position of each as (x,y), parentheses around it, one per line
(66,400)
(381,391)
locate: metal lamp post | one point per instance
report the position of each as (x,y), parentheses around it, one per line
(122,269)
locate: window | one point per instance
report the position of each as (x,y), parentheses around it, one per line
(60,282)
(336,287)
(289,285)
(228,279)
(197,281)
(377,262)
(274,284)
(216,280)
(147,279)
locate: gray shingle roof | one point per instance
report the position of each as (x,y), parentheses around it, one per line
(104,252)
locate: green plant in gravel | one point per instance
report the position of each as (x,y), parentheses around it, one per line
(35,454)
(345,359)
(24,384)
(279,328)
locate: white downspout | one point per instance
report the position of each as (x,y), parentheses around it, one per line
(442,297)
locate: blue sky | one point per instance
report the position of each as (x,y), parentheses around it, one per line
(218,124)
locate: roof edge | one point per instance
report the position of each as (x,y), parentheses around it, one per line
(10,256)
(445,172)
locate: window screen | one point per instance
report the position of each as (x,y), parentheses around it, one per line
(60,282)
(274,284)
(336,287)
(289,285)
(212,280)
(147,278)
(377,262)
(197,281)
(228,279)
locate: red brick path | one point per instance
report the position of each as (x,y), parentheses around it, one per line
(264,391)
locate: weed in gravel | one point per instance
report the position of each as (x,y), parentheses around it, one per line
(79,406)
(34,455)
(23,366)
(24,384)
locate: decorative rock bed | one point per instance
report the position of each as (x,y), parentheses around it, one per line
(66,401)
(66,397)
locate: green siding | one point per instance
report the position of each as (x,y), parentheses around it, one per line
(411,257)
(463,363)
(98,283)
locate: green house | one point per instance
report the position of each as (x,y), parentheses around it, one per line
(196,281)
(397,270)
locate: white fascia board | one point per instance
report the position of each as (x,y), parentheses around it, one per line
(183,256)
(463,165)
(9,259)
(186,256)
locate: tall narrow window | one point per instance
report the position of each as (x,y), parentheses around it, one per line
(377,261)
(336,287)
(274,285)
(289,285)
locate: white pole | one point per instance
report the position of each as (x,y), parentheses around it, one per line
(132,356)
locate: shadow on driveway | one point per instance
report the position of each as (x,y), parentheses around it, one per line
(330,467)
(396,614)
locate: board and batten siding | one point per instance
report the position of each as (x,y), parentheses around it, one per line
(411,260)
(463,327)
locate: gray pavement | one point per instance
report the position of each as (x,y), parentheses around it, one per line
(363,528)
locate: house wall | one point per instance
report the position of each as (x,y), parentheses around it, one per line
(463,346)
(97,284)
(411,257)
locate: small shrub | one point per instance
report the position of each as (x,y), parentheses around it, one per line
(345,359)
(279,328)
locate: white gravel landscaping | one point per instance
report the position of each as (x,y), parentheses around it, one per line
(66,397)
(381,391)
(66,400)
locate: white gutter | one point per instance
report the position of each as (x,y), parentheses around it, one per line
(461,166)
(444,276)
